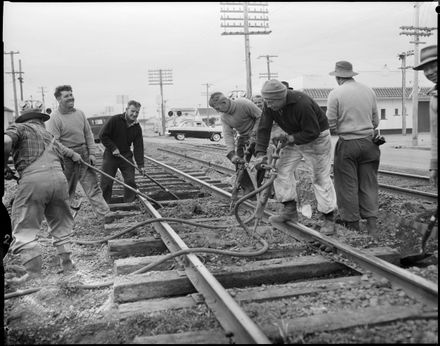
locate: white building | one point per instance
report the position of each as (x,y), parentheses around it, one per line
(388,88)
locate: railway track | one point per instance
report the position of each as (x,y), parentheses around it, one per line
(408,184)
(285,293)
(209,279)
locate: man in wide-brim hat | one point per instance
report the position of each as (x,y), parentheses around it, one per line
(352,115)
(428,63)
(42,192)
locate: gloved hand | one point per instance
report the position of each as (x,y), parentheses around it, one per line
(92,160)
(284,139)
(116,152)
(259,161)
(233,157)
(77,157)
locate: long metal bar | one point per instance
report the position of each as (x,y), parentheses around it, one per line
(414,285)
(233,319)
(149,177)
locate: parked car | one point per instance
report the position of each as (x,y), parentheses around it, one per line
(96,123)
(195,129)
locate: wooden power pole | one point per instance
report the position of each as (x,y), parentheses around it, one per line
(416,31)
(13,81)
(243,15)
(161,77)
(268,61)
(402,56)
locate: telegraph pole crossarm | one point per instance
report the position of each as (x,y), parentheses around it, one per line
(161,77)
(255,16)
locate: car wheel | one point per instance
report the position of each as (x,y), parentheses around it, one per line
(215,137)
(180,136)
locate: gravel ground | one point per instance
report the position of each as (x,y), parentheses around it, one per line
(60,313)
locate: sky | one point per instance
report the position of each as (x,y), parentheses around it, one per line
(106,49)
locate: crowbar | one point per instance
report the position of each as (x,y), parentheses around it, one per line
(125,185)
(146,175)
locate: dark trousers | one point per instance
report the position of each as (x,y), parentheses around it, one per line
(110,165)
(355,168)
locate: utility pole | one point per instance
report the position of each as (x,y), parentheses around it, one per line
(244,16)
(207,99)
(13,81)
(402,56)
(207,93)
(20,79)
(416,31)
(42,96)
(161,77)
(268,61)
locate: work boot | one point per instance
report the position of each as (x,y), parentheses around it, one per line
(352,225)
(289,213)
(66,262)
(328,227)
(372,227)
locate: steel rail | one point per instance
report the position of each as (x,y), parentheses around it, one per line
(219,168)
(383,186)
(381,171)
(233,319)
(413,284)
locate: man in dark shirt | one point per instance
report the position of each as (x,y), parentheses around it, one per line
(306,136)
(117,135)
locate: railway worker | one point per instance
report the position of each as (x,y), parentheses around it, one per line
(117,135)
(42,190)
(428,63)
(352,114)
(243,116)
(306,136)
(70,126)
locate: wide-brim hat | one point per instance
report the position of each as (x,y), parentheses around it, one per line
(343,69)
(31,109)
(427,54)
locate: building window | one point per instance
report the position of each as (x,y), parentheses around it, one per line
(383,114)
(396,112)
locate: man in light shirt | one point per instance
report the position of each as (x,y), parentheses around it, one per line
(352,115)
(70,126)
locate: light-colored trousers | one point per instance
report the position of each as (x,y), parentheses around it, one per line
(42,192)
(317,156)
(88,179)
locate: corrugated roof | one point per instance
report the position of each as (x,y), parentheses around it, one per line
(381,93)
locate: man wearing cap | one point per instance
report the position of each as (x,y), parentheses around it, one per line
(306,136)
(70,126)
(352,114)
(428,63)
(243,116)
(42,190)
